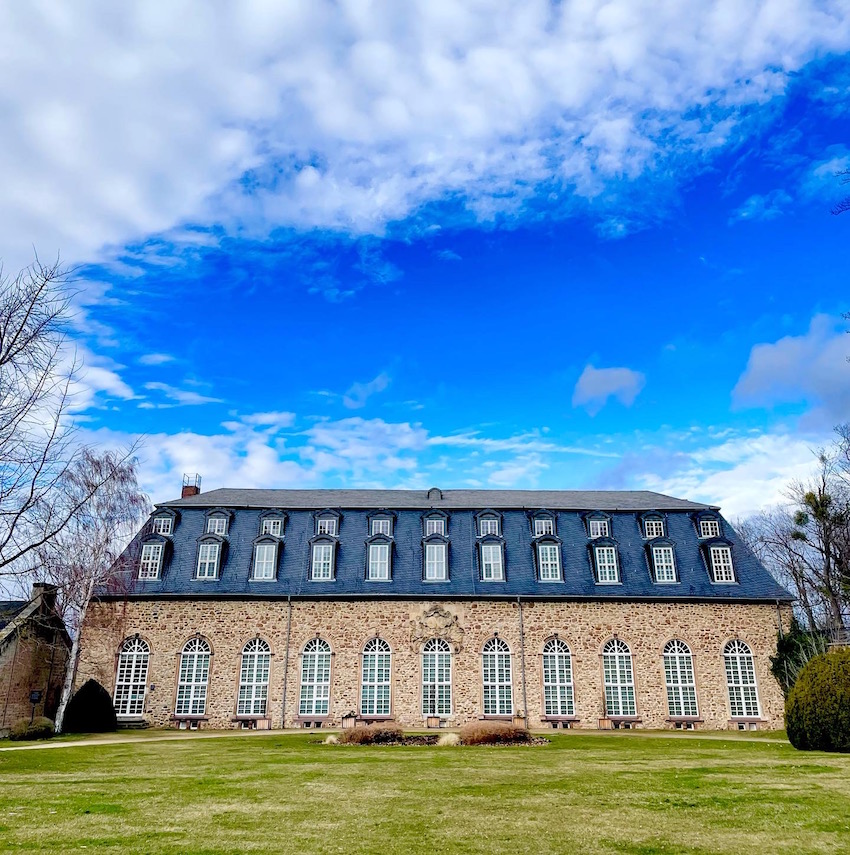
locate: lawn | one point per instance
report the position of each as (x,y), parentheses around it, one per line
(630,793)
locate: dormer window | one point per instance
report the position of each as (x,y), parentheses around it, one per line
(272,526)
(150,563)
(435,525)
(709,527)
(488,526)
(492,562)
(379,562)
(209,555)
(382,526)
(605,564)
(598,528)
(720,559)
(322,568)
(663,563)
(217,525)
(265,560)
(549,562)
(436,565)
(653,527)
(163,525)
(544,526)
(327,525)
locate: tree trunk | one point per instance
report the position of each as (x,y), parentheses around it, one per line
(73,659)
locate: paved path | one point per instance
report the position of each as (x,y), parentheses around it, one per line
(254,734)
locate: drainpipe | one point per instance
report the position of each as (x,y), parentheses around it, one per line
(522,661)
(286,658)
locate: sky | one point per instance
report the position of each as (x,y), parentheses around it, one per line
(552,245)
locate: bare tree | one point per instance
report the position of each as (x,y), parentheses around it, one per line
(844,204)
(84,557)
(37,448)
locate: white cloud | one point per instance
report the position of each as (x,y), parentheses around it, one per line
(596,385)
(96,380)
(180,397)
(155,359)
(809,369)
(359,393)
(766,207)
(350,115)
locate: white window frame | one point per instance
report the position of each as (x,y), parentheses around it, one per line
(619,680)
(492,562)
(558,694)
(150,561)
(488,526)
(376,679)
(549,562)
(217,525)
(664,563)
(315,691)
(679,680)
(653,528)
(437,678)
(382,526)
(709,528)
(607,565)
(327,525)
(598,528)
(265,561)
(163,525)
(722,568)
(741,680)
(379,562)
(543,526)
(272,526)
(193,678)
(209,556)
(131,678)
(435,525)
(322,564)
(254,678)
(436,562)
(497,678)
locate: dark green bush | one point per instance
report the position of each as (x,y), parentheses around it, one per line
(39,728)
(817,712)
(90,711)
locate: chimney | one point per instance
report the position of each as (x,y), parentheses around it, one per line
(191,486)
(47,594)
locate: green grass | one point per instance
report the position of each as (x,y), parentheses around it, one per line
(627,793)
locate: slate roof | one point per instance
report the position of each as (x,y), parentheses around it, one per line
(178,574)
(8,610)
(609,500)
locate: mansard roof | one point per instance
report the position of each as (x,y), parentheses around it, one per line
(569,508)
(586,500)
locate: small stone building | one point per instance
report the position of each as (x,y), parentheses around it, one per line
(34,647)
(319,608)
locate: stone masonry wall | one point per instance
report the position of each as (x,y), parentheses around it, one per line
(347,626)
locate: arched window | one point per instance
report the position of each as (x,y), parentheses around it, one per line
(131,678)
(315,678)
(679,678)
(254,678)
(436,678)
(375,684)
(496,669)
(741,680)
(557,678)
(193,678)
(619,679)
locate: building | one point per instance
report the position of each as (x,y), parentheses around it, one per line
(316,608)
(34,647)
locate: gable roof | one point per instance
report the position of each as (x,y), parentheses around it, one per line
(9,609)
(609,500)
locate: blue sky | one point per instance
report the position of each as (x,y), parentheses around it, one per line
(549,245)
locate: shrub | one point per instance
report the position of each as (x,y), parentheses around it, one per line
(448,739)
(90,711)
(817,712)
(794,649)
(371,734)
(39,728)
(492,733)
(331,739)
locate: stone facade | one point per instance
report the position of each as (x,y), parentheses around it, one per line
(228,624)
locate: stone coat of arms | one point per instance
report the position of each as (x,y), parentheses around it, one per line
(436,622)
